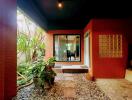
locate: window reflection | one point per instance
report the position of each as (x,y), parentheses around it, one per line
(67,47)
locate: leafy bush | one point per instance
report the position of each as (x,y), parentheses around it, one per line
(42,72)
(38,67)
(51,61)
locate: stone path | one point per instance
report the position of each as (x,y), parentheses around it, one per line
(66,87)
(116,89)
(128,75)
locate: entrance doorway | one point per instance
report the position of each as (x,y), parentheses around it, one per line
(87,50)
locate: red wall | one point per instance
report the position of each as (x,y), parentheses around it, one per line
(8,49)
(49,44)
(88,27)
(108,67)
(1,66)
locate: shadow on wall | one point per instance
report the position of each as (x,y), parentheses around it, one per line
(129,66)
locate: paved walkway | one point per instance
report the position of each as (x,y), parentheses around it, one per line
(116,89)
(70,86)
(66,87)
(128,75)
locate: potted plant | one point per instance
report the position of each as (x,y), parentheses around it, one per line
(49,75)
(37,71)
(51,62)
(42,73)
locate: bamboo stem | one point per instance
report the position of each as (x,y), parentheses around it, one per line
(22,76)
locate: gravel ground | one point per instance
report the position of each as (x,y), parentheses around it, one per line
(84,90)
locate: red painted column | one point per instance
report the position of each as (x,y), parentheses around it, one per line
(8,37)
(1,66)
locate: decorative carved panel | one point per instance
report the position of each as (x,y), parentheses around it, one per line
(110,45)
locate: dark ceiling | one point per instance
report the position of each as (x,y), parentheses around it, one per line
(75,14)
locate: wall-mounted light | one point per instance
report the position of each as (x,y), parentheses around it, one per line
(60,4)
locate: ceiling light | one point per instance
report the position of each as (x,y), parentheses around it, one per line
(60,5)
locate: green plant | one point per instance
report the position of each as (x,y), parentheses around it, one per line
(24,73)
(49,75)
(38,67)
(42,73)
(37,71)
(51,61)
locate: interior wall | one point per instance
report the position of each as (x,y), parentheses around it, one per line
(49,44)
(8,49)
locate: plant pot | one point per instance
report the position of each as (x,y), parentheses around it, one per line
(52,64)
(46,85)
(49,67)
(52,80)
(35,81)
